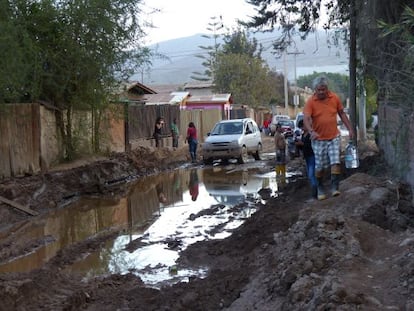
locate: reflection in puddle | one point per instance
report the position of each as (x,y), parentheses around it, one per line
(46,235)
(161,216)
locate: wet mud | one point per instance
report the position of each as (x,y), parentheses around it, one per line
(349,252)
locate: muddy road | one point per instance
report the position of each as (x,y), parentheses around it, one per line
(345,253)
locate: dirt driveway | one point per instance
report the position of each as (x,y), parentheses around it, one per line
(351,252)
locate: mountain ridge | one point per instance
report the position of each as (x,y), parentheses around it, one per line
(314,54)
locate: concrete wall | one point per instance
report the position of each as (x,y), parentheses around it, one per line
(396,140)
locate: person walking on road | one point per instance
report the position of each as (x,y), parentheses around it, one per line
(191,138)
(304,144)
(320,120)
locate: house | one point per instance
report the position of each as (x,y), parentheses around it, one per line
(221,102)
(199,88)
(172,98)
(166,88)
(134,91)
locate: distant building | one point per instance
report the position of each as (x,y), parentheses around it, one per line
(173,98)
(199,88)
(221,102)
(166,88)
(134,92)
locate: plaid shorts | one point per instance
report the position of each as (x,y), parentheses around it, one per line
(327,152)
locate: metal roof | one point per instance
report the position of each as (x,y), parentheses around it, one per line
(210,98)
(172,98)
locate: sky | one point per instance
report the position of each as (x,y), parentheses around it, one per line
(183,18)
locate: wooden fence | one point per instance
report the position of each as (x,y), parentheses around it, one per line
(141,122)
(19,139)
(31,142)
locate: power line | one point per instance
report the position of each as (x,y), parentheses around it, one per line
(201,51)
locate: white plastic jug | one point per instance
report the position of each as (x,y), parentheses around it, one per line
(351,156)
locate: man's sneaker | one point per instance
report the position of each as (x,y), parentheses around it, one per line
(335,193)
(321,196)
(335,185)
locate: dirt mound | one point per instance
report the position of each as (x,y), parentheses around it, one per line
(349,252)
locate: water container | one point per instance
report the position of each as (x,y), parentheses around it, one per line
(351,156)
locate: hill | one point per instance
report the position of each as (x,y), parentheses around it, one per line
(313,54)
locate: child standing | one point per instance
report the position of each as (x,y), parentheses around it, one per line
(305,144)
(280,144)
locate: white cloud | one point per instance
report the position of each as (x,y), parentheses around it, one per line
(182,18)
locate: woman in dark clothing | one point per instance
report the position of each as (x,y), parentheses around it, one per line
(192,141)
(306,146)
(159,124)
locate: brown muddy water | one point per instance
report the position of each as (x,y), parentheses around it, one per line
(160,216)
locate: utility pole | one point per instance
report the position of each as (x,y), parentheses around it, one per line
(296,96)
(285,83)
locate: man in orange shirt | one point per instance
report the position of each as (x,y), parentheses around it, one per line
(320,119)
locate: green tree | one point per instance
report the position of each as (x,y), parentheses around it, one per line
(240,70)
(381,58)
(296,17)
(247,78)
(18,66)
(76,54)
(239,42)
(371,99)
(339,83)
(399,79)
(210,51)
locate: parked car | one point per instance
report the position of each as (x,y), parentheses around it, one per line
(275,120)
(233,139)
(288,126)
(231,188)
(299,116)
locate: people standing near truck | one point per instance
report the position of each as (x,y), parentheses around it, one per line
(192,140)
(280,144)
(320,119)
(174,133)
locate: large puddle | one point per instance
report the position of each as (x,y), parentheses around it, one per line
(160,216)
